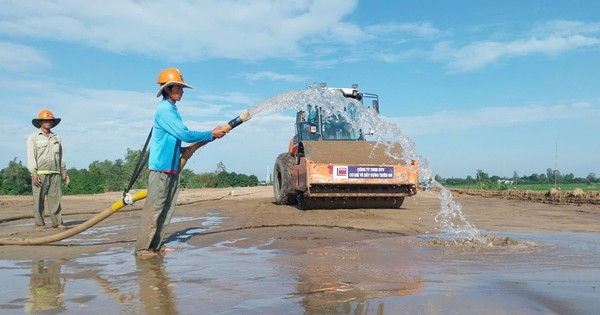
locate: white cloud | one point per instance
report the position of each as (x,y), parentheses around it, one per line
(397,57)
(565,28)
(190,30)
(553,39)
(406,30)
(15,57)
(444,122)
(273,76)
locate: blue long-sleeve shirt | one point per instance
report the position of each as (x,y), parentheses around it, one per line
(167,134)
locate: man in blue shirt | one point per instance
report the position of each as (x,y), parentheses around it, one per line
(165,151)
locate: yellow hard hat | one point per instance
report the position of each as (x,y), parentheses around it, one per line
(45,115)
(168,77)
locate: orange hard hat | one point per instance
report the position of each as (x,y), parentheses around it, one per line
(168,77)
(45,115)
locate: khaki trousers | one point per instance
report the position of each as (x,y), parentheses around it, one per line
(50,188)
(159,206)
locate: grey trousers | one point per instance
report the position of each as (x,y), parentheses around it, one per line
(159,206)
(50,188)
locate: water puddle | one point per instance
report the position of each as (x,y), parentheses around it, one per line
(347,274)
(97,234)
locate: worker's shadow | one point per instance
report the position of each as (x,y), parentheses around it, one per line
(73,223)
(184,235)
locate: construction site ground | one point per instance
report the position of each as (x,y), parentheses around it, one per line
(336,261)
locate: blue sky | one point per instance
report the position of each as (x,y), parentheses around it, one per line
(502,86)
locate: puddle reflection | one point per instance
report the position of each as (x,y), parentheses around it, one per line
(354,279)
(46,288)
(156,288)
(112,291)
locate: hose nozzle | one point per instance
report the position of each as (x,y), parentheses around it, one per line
(238,120)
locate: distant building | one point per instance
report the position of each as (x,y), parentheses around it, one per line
(506,182)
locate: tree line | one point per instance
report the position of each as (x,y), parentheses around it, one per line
(484,181)
(108,176)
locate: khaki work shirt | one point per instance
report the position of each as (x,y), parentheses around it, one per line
(45,154)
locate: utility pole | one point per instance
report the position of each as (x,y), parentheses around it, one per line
(555,162)
(268,179)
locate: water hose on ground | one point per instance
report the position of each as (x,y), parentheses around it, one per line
(129,199)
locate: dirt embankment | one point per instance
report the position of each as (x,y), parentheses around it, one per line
(552,196)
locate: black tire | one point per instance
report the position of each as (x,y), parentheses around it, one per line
(283,187)
(390,203)
(304,203)
(307,203)
(398,202)
(311,203)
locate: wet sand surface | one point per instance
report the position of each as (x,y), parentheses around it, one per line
(241,254)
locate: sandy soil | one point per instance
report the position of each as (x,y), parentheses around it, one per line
(552,196)
(252,210)
(242,254)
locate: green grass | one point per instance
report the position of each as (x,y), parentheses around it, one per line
(567,187)
(538,187)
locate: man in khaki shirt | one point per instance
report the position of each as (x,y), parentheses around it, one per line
(46,164)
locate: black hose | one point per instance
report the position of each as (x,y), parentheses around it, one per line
(142,159)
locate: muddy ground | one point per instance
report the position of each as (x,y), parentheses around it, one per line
(241,254)
(251,210)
